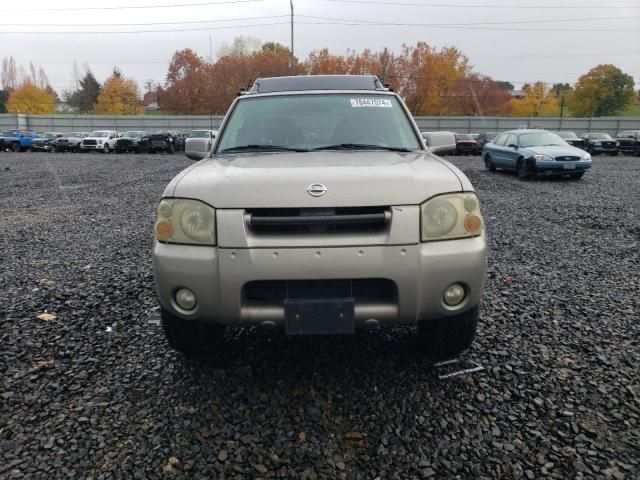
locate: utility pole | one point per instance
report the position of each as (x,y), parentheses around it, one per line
(211,61)
(561,106)
(292,68)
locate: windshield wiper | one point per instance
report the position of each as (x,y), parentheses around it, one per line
(361,146)
(262,148)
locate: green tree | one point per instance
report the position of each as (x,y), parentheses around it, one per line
(502,85)
(276,48)
(4,96)
(86,96)
(604,90)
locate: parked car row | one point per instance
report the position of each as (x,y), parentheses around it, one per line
(103,141)
(627,142)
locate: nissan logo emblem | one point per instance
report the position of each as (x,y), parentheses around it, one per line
(316,189)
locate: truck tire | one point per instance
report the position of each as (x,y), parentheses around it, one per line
(172,148)
(447,337)
(15,147)
(191,338)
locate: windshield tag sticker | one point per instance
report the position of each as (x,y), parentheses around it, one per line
(371,102)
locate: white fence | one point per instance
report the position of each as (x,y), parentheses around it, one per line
(185,123)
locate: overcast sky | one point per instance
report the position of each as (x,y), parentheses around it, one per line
(514,40)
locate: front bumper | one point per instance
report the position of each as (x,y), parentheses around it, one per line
(554,167)
(598,149)
(92,147)
(420,273)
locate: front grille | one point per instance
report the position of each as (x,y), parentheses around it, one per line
(567,159)
(124,142)
(318,220)
(275,292)
(608,144)
(89,142)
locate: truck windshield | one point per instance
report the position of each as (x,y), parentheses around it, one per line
(99,134)
(314,122)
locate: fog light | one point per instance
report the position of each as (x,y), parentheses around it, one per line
(185,299)
(454,294)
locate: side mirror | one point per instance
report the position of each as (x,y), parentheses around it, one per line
(511,145)
(197,156)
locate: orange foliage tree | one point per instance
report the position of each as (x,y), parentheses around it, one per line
(28,98)
(118,96)
(432,81)
(196,87)
(188,87)
(538,100)
(479,95)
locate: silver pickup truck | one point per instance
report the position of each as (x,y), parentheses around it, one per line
(319,211)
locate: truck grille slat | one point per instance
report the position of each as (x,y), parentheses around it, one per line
(318,220)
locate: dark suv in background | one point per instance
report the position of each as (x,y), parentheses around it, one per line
(629,142)
(600,143)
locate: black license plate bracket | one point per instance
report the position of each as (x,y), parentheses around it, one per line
(319,316)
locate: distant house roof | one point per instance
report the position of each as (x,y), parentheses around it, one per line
(152,107)
(64,107)
(517,93)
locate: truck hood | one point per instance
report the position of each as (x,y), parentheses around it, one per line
(362,178)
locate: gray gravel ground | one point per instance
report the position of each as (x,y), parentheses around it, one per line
(560,396)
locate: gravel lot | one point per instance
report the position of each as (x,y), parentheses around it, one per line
(97,393)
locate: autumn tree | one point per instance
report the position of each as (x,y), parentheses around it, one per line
(479,95)
(86,95)
(28,98)
(322,62)
(118,96)
(538,100)
(188,86)
(603,90)
(428,77)
(230,73)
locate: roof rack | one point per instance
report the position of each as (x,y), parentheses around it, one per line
(317,82)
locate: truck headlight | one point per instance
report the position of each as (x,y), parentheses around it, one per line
(454,215)
(185,221)
(587,156)
(542,157)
